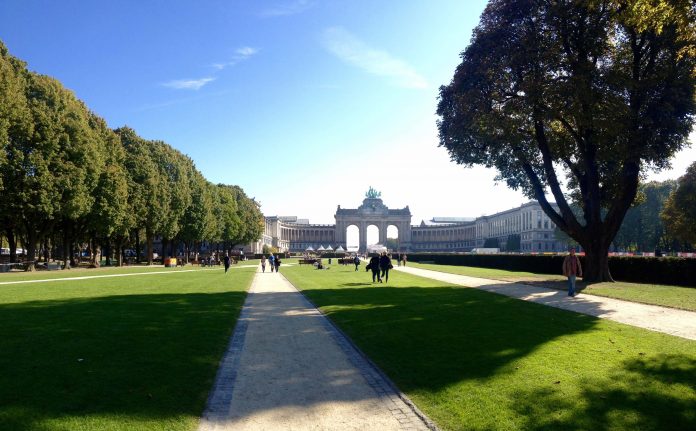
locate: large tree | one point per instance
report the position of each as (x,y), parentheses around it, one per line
(16,127)
(679,214)
(147,196)
(576,99)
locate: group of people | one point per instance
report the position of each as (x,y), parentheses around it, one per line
(273,261)
(380,266)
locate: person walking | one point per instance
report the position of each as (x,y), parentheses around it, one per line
(277,264)
(271,261)
(263,263)
(403,259)
(356,261)
(385,265)
(571,269)
(226,261)
(374,267)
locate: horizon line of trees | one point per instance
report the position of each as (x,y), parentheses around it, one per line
(67,179)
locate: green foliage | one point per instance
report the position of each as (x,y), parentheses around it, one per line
(514,243)
(392,244)
(65,176)
(591,92)
(476,360)
(491,243)
(642,228)
(679,214)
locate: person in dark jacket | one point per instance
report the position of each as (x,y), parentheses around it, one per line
(385,265)
(226,261)
(374,267)
(356,261)
(277,263)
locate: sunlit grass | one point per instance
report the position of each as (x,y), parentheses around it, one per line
(654,294)
(121,353)
(475,360)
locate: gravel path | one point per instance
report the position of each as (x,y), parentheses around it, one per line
(661,319)
(288,368)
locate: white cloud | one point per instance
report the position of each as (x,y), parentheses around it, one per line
(353,51)
(246,51)
(241,54)
(290,8)
(188,84)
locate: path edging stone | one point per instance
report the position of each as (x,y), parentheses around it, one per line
(351,349)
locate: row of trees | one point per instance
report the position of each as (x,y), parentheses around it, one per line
(66,178)
(663,216)
(577,99)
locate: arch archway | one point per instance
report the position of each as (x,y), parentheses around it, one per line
(372,234)
(392,242)
(352,238)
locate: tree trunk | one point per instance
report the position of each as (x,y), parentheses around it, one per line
(118,251)
(137,246)
(107,251)
(73,262)
(149,238)
(95,254)
(30,249)
(596,268)
(164,249)
(12,241)
(66,250)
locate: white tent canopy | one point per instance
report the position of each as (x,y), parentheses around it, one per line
(321,248)
(340,248)
(329,248)
(309,248)
(376,248)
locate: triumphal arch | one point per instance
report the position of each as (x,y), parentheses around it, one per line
(373,212)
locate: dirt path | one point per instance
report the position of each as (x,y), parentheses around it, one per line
(661,319)
(288,368)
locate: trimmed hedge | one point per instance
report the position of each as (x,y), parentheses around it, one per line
(672,271)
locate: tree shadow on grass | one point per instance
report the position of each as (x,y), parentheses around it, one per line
(447,333)
(145,357)
(431,339)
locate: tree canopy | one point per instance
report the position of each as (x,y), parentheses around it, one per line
(577,99)
(66,177)
(679,214)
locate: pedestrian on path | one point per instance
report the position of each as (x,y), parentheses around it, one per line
(572,269)
(374,267)
(263,263)
(226,261)
(277,264)
(356,261)
(385,265)
(403,259)
(271,261)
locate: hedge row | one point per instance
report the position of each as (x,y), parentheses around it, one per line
(657,270)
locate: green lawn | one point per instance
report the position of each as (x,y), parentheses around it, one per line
(475,360)
(121,353)
(655,294)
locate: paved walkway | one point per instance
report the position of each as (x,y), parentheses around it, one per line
(661,319)
(288,368)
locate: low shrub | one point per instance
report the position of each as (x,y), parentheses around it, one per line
(652,270)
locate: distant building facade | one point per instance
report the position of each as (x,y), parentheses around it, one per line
(522,229)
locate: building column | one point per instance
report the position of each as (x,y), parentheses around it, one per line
(363,237)
(382,233)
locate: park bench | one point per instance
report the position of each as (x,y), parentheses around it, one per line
(7,267)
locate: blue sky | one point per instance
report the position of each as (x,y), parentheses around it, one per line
(303,103)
